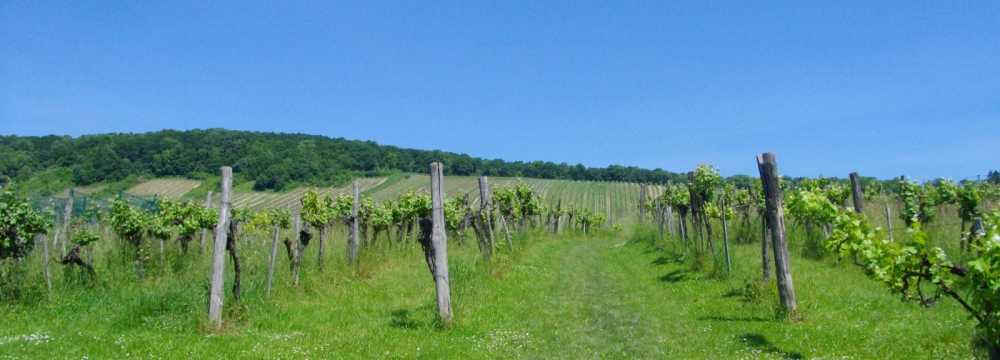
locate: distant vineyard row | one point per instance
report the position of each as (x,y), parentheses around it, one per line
(618,201)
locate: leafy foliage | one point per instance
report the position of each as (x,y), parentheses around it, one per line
(129,223)
(918,203)
(19,223)
(706,181)
(84,237)
(909,267)
(811,206)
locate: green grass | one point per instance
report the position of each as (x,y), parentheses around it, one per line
(570,297)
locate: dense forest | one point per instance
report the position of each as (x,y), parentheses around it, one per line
(274,161)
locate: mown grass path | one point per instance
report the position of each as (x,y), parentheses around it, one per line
(567,298)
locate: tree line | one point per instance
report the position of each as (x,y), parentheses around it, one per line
(273,161)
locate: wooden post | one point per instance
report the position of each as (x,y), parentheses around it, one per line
(857,193)
(67,216)
(725,236)
(670,220)
(352,242)
(45,262)
(555,227)
(215,297)
(659,217)
(486,208)
(296,247)
(888,220)
(439,242)
(642,203)
(271,260)
(768,167)
(321,251)
(208,205)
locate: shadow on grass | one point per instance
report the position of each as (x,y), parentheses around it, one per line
(401,319)
(668,259)
(674,276)
(759,342)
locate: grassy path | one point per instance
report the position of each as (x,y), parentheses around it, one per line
(569,298)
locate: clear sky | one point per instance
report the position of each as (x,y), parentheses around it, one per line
(881,87)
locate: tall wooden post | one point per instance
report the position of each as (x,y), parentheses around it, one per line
(659,216)
(352,242)
(642,203)
(888,220)
(215,297)
(67,217)
(208,205)
(558,217)
(486,208)
(45,262)
(670,219)
(271,260)
(768,167)
(296,247)
(439,242)
(857,193)
(725,236)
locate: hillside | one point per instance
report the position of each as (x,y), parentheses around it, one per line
(272,161)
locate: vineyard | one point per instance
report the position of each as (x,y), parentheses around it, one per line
(618,201)
(427,265)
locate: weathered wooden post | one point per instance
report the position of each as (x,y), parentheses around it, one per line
(768,167)
(208,205)
(659,217)
(45,262)
(670,220)
(558,217)
(271,260)
(296,247)
(642,203)
(439,244)
(352,242)
(215,298)
(888,219)
(67,217)
(321,251)
(486,208)
(857,193)
(725,236)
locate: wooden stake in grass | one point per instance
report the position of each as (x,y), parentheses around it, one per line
(642,203)
(45,262)
(271,260)
(486,214)
(208,205)
(215,297)
(768,167)
(725,235)
(352,242)
(857,193)
(67,216)
(888,219)
(436,249)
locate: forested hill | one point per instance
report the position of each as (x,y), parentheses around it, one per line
(272,160)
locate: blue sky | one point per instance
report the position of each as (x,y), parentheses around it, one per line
(884,88)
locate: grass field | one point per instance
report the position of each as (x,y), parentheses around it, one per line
(570,297)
